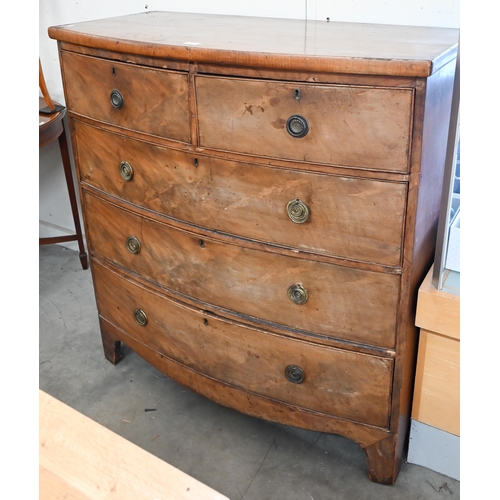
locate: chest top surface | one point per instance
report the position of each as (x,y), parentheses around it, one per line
(268,42)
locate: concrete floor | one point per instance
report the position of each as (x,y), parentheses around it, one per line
(242,457)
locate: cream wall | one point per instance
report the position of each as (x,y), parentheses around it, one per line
(54,212)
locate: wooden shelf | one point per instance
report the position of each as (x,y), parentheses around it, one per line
(436,399)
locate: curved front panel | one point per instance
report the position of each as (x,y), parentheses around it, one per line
(255,283)
(345,217)
(249,358)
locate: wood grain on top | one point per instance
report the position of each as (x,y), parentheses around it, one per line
(287,44)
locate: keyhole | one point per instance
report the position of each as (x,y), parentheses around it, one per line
(113,72)
(205,322)
(196,162)
(202,244)
(297,94)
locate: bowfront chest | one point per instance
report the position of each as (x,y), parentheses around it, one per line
(260,199)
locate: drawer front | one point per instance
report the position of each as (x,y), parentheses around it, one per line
(154,101)
(348,385)
(341,302)
(365,127)
(351,218)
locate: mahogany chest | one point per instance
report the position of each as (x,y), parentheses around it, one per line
(260,199)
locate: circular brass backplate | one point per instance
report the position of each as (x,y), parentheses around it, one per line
(297,126)
(298,294)
(295,374)
(116,99)
(140,317)
(133,244)
(298,211)
(126,171)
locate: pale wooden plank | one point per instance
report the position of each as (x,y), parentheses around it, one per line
(81,459)
(437,386)
(438,311)
(53,487)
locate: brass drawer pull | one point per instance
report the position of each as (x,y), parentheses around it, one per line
(140,317)
(297,126)
(297,211)
(126,171)
(295,374)
(133,244)
(298,294)
(116,99)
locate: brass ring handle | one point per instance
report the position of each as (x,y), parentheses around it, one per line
(297,126)
(126,171)
(133,244)
(298,294)
(116,99)
(140,317)
(298,211)
(295,374)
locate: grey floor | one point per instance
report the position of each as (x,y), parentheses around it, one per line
(242,457)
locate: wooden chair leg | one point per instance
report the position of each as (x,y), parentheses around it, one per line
(63,144)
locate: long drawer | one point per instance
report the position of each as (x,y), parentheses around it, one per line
(296,372)
(325,299)
(365,127)
(351,218)
(152,101)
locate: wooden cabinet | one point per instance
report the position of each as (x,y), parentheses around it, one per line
(436,400)
(260,202)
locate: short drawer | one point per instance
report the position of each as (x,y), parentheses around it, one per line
(146,100)
(329,300)
(365,127)
(345,384)
(358,219)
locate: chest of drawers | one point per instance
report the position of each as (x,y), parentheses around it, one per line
(260,200)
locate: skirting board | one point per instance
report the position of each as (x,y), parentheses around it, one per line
(435,449)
